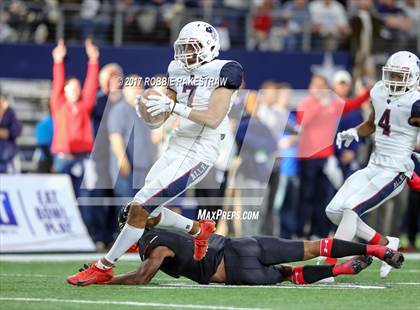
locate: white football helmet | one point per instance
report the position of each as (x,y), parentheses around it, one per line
(401,73)
(197,42)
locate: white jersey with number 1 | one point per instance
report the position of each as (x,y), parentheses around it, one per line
(193,148)
(194,89)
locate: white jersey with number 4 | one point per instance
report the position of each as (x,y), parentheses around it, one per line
(395,138)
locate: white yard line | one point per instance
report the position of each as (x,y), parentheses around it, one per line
(124,303)
(62,257)
(30,275)
(192,286)
(95,256)
(375,270)
(287,286)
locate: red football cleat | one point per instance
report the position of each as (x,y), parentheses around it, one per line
(201,242)
(90,274)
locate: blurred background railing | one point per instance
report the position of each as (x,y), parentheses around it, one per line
(263,25)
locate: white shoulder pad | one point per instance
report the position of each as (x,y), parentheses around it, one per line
(175,68)
(377,89)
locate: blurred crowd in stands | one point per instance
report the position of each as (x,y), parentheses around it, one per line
(362,26)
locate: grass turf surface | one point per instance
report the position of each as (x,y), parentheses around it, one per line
(43,285)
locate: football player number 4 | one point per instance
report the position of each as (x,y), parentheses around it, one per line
(384,122)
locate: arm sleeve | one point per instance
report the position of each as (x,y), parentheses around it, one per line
(57,87)
(90,86)
(355,103)
(231,75)
(415,112)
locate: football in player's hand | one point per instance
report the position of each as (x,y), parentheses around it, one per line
(151,121)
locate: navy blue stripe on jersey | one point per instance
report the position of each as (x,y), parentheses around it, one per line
(231,75)
(176,187)
(415,112)
(381,195)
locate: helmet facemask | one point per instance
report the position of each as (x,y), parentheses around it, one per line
(398,80)
(190,52)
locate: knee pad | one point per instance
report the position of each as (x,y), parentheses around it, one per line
(350,212)
(334,215)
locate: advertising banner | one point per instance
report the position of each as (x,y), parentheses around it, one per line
(39,213)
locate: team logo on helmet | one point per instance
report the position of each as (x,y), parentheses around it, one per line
(210,30)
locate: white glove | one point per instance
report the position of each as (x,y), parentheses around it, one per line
(157,104)
(346,136)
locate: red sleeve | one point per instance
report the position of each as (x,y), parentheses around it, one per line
(57,88)
(90,86)
(355,103)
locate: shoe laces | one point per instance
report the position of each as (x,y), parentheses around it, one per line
(389,253)
(85,268)
(357,265)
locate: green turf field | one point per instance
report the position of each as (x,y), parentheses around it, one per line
(41,285)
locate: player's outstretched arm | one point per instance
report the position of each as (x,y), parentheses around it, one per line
(147,270)
(368,127)
(218,108)
(363,130)
(219,103)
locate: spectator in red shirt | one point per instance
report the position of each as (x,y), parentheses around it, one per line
(318,114)
(262,22)
(71,107)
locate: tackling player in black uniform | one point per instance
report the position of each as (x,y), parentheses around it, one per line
(253,260)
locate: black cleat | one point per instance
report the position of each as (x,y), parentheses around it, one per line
(361,262)
(393,258)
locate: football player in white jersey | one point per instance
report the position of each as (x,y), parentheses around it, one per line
(395,121)
(199,91)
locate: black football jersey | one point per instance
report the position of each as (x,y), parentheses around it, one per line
(182,244)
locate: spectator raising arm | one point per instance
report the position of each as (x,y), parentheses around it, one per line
(57,91)
(355,103)
(90,85)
